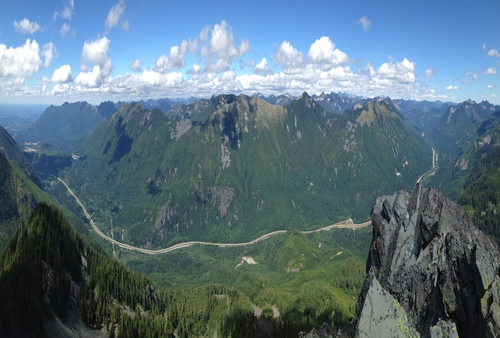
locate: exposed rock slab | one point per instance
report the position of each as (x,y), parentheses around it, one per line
(430,272)
(383,315)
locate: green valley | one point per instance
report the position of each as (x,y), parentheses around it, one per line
(259,169)
(283,274)
(295,285)
(233,168)
(200,209)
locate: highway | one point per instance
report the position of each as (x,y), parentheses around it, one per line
(432,170)
(347,224)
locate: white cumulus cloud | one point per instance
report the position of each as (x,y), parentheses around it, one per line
(219,47)
(228,76)
(288,57)
(93,78)
(323,52)
(161,64)
(20,62)
(176,58)
(493,52)
(222,42)
(48,53)
(262,67)
(60,89)
(62,74)
(401,72)
(136,65)
(95,52)
(26,27)
(194,70)
(217,66)
(491,71)
(364,22)
(216,51)
(451,87)
(429,72)
(490,87)
(216,47)
(472,75)
(244,47)
(95,64)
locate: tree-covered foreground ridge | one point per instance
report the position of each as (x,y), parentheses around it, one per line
(48,271)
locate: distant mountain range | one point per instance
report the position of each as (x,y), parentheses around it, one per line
(452,132)
(444,125)
(228,169)
(233,167)
(64,126)
(338,103)
(351,146)
(452,136)
(283,99)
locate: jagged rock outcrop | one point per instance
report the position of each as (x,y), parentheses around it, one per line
(430,272)
(323,332)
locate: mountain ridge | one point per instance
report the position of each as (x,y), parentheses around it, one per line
(338,103)
(20,186)
(198,169)
(66,125)
(448,134)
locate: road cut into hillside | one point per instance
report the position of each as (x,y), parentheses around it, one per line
(346,224)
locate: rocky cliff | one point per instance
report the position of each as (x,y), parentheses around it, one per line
(430,272)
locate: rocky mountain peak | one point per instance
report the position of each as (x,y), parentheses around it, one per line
(430,271)
(376,109)
(125,114)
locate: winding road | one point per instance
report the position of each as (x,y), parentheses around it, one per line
(347,224)
(432,170)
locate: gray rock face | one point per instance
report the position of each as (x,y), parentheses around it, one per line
(430,272)
(323,332)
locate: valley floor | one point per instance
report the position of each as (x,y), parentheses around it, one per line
(346,224)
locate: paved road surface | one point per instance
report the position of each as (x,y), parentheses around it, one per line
(347,224)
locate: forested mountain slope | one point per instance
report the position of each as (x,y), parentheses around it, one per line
(52,282)
(233,167)
(480,180)
(18,191)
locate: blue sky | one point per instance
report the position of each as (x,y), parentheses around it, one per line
(69,50)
